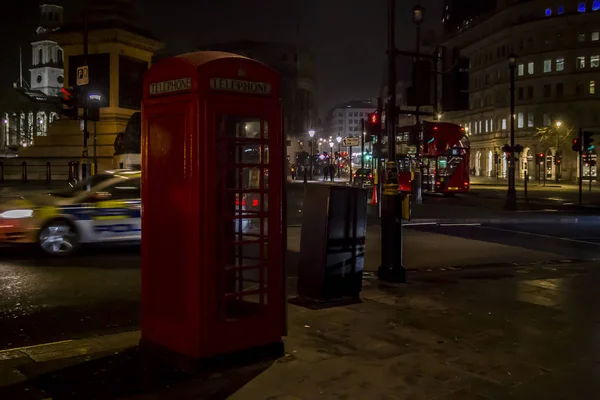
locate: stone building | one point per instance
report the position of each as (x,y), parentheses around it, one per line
(27,109)
(557,67)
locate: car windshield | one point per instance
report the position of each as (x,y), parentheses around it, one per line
(82,186)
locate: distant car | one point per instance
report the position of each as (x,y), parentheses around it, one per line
(103,208)
(363,177)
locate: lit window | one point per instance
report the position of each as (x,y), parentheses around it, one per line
(596,5)
(581,37)
(560,64)
(581,62)
(592,87)
(487,126)
(520,120)
(561,9)
(530,122)
(595,61)
(581,7)
(547,65)
(530,68)
(548,12)
(595,35)
(503,124)
(521,70)
(491,125)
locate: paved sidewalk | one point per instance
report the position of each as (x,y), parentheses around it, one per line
(523,333)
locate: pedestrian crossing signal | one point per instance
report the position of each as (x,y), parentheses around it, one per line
(587,141)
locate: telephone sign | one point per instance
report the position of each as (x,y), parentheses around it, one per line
(350,141)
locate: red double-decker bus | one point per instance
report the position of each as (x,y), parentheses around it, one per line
(445,158)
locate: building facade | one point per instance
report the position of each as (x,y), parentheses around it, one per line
(296,65)
(556,48)
(27,109)
(344,119)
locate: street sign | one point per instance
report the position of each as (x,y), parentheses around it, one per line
(83,77)
(350,141)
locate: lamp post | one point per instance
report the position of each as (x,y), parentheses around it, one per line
(391,268)
(557,156)
(311,133)
(511,196)
(339,140)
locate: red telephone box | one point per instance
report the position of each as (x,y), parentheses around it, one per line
(212,196)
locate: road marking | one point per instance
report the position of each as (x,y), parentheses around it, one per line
(34,346)
(541,235)
(419,223)
(465,224)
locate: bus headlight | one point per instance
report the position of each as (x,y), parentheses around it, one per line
(17,214)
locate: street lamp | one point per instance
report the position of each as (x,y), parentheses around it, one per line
(558,155)
(311,133)
(511,196)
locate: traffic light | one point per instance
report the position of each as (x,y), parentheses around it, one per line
(496,158)
(455,82)
(558,159)
(373,125)
(587,141)
(539,158)
(71,101)
(576,145)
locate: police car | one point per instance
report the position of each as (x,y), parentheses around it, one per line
(103,208)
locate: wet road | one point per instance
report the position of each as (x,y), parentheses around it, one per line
(44,299)
(579,240)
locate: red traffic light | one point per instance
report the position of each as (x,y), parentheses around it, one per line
(66,93)
(373,118)
(541,155)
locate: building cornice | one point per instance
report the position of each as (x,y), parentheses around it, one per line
(111,35)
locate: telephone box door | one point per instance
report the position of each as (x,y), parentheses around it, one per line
(248,234)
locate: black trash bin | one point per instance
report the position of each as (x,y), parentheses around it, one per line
(332,245)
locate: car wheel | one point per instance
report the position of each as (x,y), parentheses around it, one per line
(58,238)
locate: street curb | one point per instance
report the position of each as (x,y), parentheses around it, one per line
(48,352)
(495,220)
(492,220)
(369,275)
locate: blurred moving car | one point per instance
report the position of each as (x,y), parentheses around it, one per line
(363,177)
(103,208)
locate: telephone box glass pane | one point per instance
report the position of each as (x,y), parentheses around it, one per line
(243,189)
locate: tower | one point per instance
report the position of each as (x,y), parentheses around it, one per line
(47,73)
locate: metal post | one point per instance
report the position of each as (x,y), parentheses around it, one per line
(312,155)
(84,154)
(339,171)
(420,145)
(589,157)
(391,268)
(580,153)
(525,186)
(511,196)
(350,163)
(362,143)
(305,172)
(95,148)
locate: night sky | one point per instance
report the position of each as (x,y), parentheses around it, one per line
(347,36)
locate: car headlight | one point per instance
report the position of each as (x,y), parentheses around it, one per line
(17,214)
